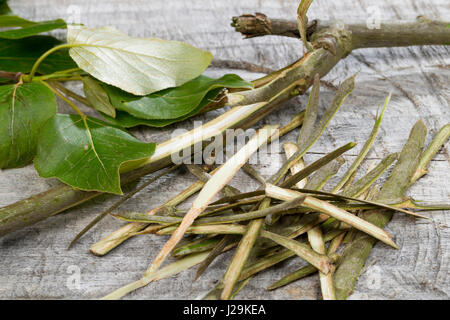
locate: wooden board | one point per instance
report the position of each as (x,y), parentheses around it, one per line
(35,263)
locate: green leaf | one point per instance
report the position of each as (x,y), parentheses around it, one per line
(138,66)
(126,120)
(20,55)
(27,28)
(18,28)
(97,96)
(87,153)
(4,8)
(180,103)
(172,103)
(24,108)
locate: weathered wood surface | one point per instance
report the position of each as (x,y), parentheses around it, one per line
(35,262)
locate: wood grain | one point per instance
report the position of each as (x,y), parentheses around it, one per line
(35,263)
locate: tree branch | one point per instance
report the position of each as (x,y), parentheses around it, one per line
(260,25)
(390,34)
(10,75)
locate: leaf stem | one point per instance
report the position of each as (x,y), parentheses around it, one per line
(70,93)
(200,244)
(29,78)
(63,97)
(58,77)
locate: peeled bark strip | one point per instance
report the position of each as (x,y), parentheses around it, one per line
(395,186)
(211,188)
(360,186)
(289,149)
(166,272)
(318,260)
(374,203)
(326,280)
(309,269)
(214,253)
(114,239)
(315,236)
(247,242)
(438,141)
(307,139)
(267,262)
(364,151)
(332,211)
(300,175)
(108,243)
(117,204)
(207,229)
(241,255)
